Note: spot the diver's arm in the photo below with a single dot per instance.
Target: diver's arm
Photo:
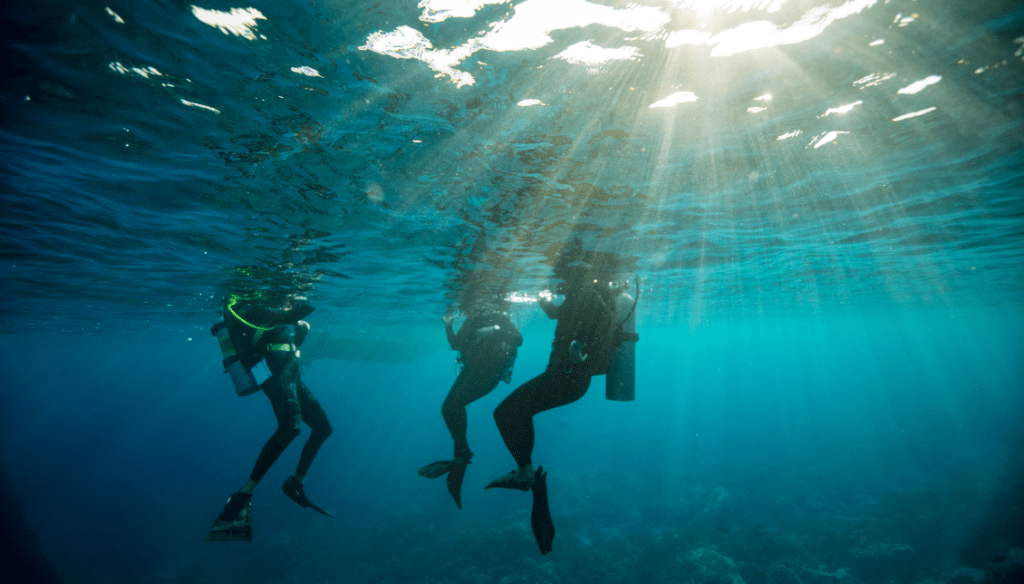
(298, 312)
(263, 316)
(449, 331)
(549, 307)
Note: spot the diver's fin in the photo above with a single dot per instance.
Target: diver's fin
(293, 488)
(435, 469)
(540, 517)
(319, 510)
(455, 476)
(508, 481)
(227, 529)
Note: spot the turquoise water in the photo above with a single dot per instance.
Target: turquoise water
(822, 202)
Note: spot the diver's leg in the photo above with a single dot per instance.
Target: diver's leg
(470, 385)
(282, 390)
(289, 419)
(313, 414)
(286, 409)
(514, 415)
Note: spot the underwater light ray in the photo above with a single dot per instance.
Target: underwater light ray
(668, 182)
(570, 144)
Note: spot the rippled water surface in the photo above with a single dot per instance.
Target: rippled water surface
(392, 159)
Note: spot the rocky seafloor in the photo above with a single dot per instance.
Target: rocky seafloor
(836, 525)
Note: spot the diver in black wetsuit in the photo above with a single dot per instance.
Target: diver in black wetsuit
(275, 334)
(487, 345)
(582, 348)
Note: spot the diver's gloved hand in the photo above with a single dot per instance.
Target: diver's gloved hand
(545, 297)
(576, 354)
(300, 331)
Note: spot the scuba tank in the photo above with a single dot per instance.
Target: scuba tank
(620, 381)
(241, 376)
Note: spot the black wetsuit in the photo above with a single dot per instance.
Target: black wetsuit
(485, 357)
(291, 400)
(293, 404)
(583, 316)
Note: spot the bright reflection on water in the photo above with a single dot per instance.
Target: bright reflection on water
(238, 21)
(528, 28)
(533, 21)
(918, 86)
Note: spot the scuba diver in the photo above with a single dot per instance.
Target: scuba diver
(593, 336)
(487, 345)
(272, 333)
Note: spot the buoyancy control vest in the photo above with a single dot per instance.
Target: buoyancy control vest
(240, 336)
(489, 341)
(588, 318)
(604, 326)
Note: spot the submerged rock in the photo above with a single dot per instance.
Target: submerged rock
(1006, 568)
(714, 567)
(883, 562)
(967, 576)
(780, 574)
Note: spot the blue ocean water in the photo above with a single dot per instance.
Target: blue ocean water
(822, 203)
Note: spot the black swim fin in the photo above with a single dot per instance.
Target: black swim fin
(540, 517)
(455, 476)
(293, 488)
(435, 469)
(232, 528)
(508, 481)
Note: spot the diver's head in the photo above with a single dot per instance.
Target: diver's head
(577, 276)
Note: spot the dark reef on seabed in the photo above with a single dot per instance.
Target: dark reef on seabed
(996, 543)
(18, 552)
(818, 526)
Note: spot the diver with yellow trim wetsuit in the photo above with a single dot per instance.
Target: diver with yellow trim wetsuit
(274, 335)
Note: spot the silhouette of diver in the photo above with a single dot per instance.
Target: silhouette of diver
(274, 334)
(585, 337)
(487, 343)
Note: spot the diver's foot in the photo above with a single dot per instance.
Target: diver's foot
(462, 458)
(293, 488)
(526, 474)
(236, 504)
(511, 481)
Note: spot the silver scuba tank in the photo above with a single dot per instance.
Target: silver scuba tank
(620, 382)
(241, 376)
